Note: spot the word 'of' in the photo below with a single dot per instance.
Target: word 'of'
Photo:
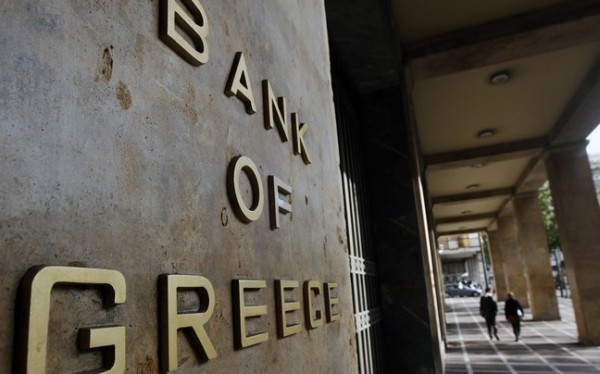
(276, 187)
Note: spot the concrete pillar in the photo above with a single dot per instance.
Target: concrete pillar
(578, 218)
(475, 269)
(497, 264)
(439, 281)
(512, 260)
(536, 257)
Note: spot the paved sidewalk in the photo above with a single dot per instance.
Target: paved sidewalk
(545, 347)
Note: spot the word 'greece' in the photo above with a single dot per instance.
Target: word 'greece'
(184, 27)
(39, 281)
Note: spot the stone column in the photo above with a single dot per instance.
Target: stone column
(439, 281)
(578, 218)
(497, 264)
(513, 262)
(536, 257)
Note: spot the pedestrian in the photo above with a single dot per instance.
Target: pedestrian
(488, 309)
(513, 312)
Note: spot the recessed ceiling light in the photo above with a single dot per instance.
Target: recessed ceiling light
(500, 77)
(472, 186)
(486, 133)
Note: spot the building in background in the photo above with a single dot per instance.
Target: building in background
(462, 259)
(595, 166)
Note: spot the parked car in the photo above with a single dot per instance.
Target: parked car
(454, 289)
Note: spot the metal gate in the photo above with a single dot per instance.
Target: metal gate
(363, 266)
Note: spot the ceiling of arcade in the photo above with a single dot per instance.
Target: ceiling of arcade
(449, 51)
(482, 141)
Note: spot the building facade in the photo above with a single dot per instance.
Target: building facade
(172, 196)
(229, 186)
(462, 259)
(171, 167)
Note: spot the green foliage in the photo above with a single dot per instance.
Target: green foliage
(485, 248)
(545, 199)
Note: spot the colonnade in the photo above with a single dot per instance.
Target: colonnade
(519, 249)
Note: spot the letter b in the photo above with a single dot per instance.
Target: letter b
(194, 24)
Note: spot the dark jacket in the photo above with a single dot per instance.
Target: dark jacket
(487, 306)
(511, 306)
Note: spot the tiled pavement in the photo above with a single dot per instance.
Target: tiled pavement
(545, 347)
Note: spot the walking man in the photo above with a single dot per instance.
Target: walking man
(514, 312)
(488, 309)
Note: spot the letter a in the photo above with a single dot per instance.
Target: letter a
(238, 84)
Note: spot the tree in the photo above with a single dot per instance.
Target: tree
(547, 208)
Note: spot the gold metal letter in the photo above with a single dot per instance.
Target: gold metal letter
(244, 213)
(106, 337)
(330, 301)
(283, 307)
(275, 111)
(276, 186)
(314, 319)
(298, 131)
(238, 84)
(193, 323)
(37, 287)
(195, 28)
(242, 311)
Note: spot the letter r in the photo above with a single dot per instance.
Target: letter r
(171, 320)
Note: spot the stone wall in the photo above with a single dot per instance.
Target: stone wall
(115, 152)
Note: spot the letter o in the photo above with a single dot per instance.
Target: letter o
(244, 213)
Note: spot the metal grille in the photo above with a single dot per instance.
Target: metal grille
(365, 287)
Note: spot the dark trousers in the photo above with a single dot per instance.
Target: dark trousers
(515, 321)
(491, 325)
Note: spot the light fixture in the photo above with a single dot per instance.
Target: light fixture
(486, 133)
(472, 186)
(500, 77)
